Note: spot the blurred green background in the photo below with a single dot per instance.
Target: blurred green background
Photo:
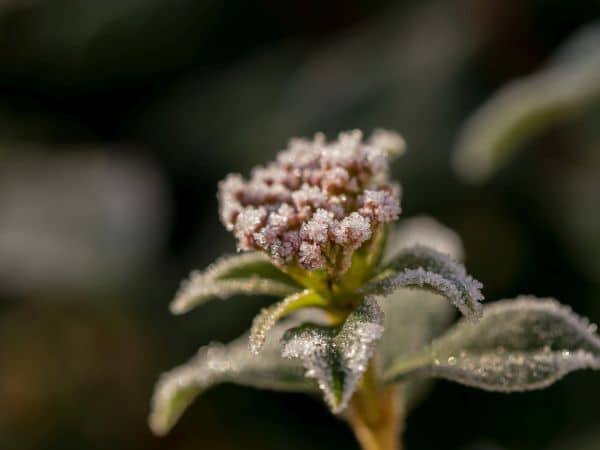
(117, 120)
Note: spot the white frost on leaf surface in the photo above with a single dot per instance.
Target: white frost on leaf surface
(425, 268)
(337, 357)
(249, 274)
(219, 363)
(519, 345)
(269, 316)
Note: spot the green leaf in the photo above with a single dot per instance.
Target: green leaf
(248, 273)
(566, 87)
(413, 318)
(244, 265)
(425, 268)
(269, 316)
(218, 363)
(337, 357)
(519, 345)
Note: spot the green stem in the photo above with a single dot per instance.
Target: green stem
(376, 414)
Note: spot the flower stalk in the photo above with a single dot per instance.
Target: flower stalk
(376, 414)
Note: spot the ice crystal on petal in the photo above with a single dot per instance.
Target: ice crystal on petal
(311, 257)
(248, 221)
(338, 180)
(309, 196)
(381, 206)
(317, 198)
(353, 230)
(318, 227)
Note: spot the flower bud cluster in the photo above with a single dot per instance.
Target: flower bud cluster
(317, 201)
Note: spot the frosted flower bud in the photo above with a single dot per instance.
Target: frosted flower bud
(381, 206)
(377, 161)
(302, 153)
(338, 180)
(309, 196)
(284, 250)
(317, 228)
(284, 218)
(353, 231)
(230, 191)
(249, 221)
(311, 256)
(318, 198)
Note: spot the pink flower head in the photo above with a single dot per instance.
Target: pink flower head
(318, 197)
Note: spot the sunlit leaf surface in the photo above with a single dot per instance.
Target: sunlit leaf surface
(248, 273)
(519, 345)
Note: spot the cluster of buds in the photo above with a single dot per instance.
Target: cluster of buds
(318, 202)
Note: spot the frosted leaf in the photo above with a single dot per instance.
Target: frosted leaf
(218, 363)
(249, 273)
(244, 265)
(519, 345)
(524, 108)
(337, 357)
(269, 316)
(197, 290)
(424, 230)
(413, 318)
(425, 268)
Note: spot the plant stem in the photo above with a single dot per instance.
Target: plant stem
(376, 414)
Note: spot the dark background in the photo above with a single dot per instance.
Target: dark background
(117, 120)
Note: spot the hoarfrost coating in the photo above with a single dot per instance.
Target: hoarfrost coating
(318, 201)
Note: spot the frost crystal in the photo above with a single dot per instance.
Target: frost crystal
(353, 230)
(423, 267)
(380, 206)
(521, 344)
(217, 363)
(316, 199)
(337, 357)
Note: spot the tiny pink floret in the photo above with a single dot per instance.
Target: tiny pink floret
(317, 198)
